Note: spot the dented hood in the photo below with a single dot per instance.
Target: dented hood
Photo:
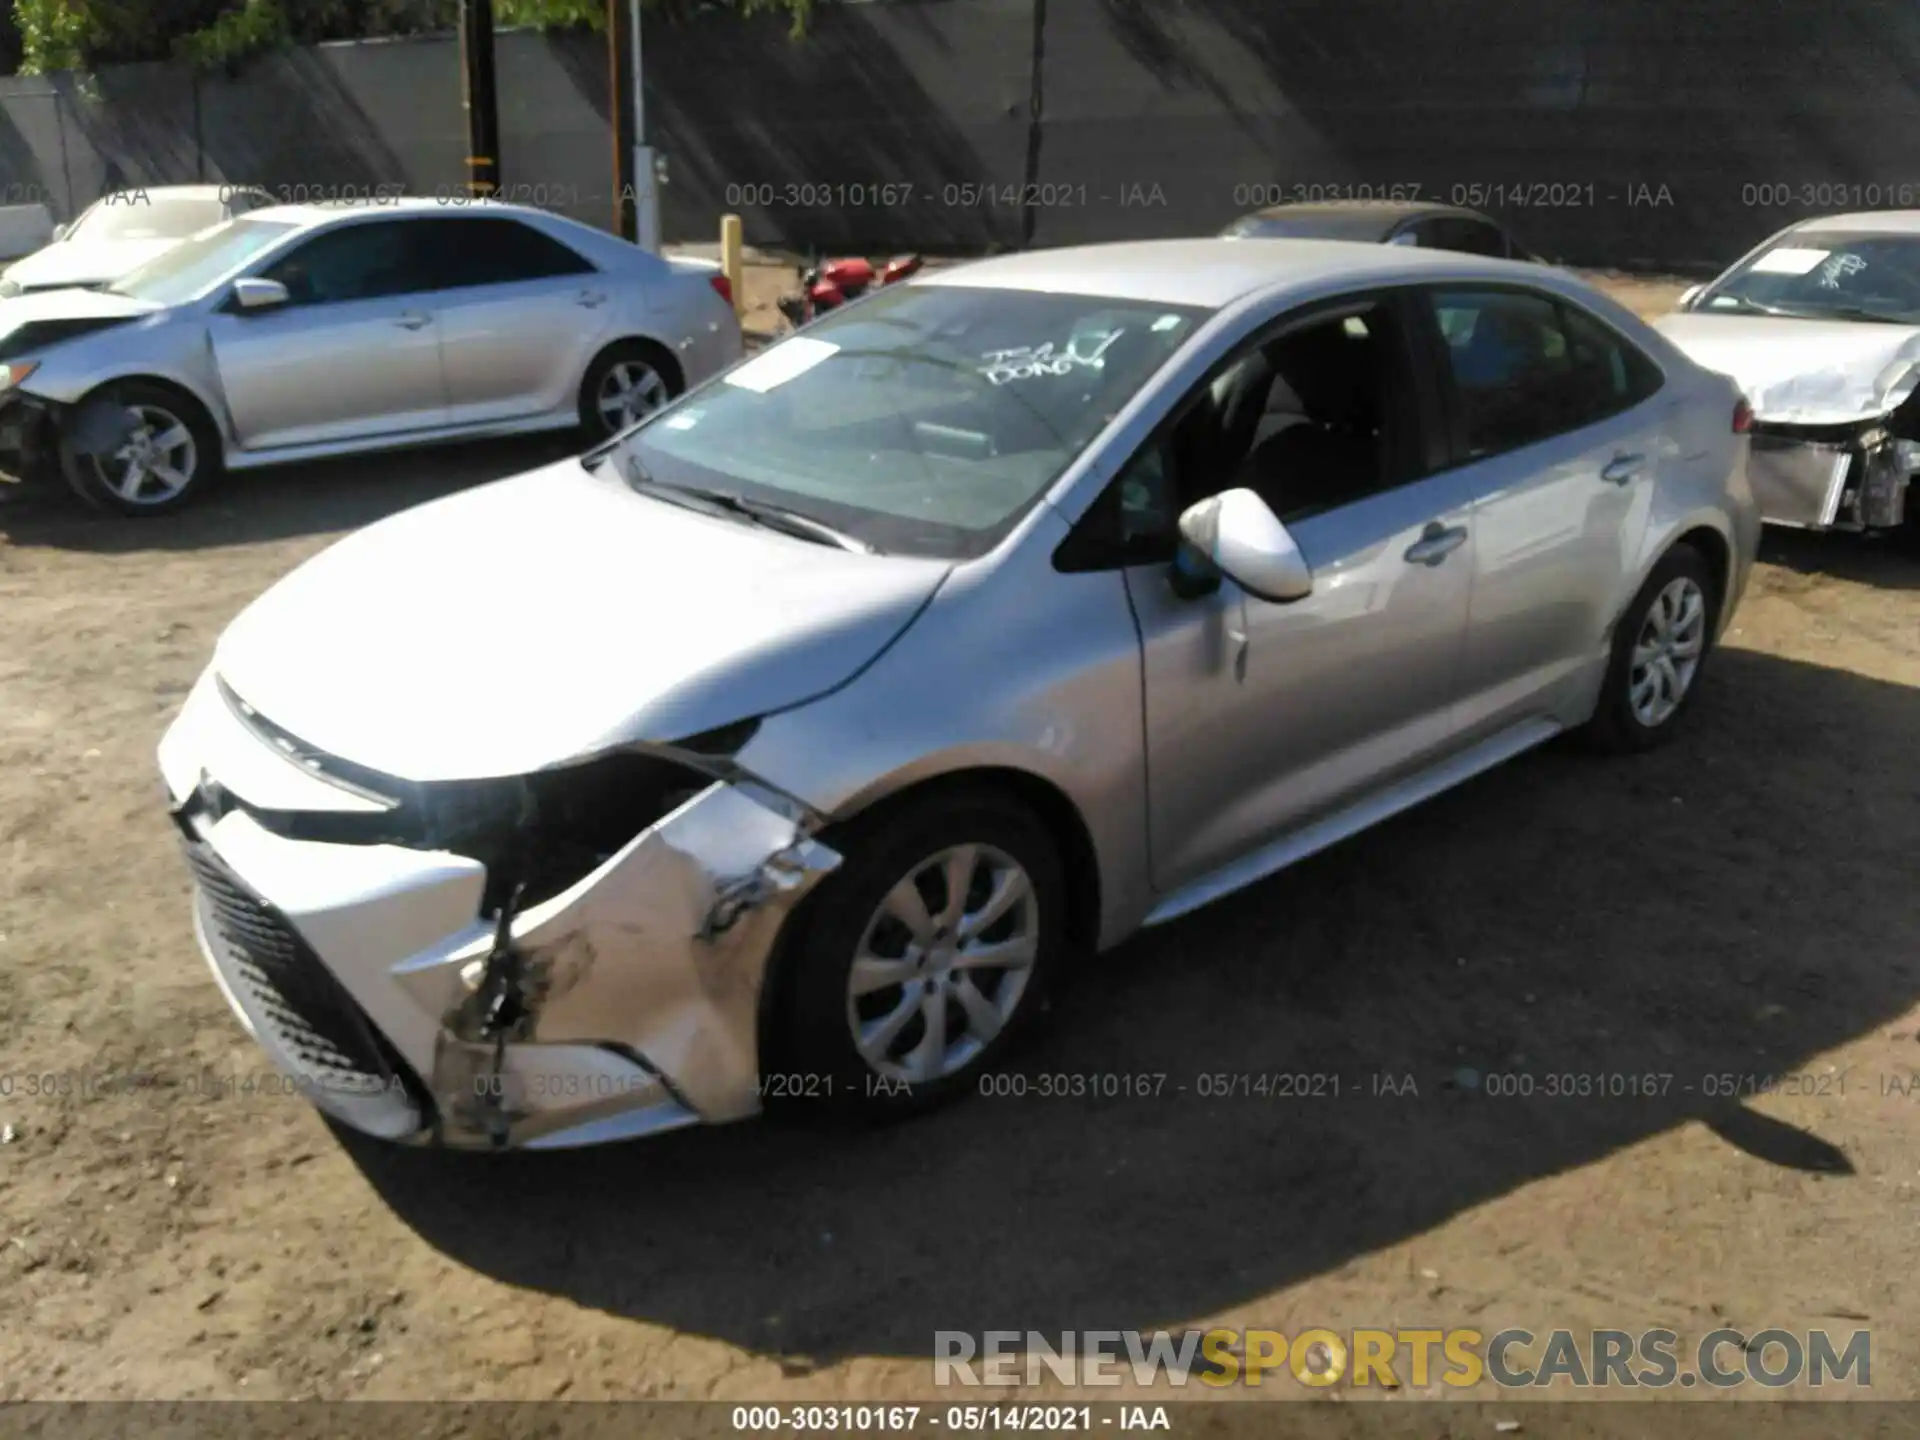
(543, 618)
(1807, 372)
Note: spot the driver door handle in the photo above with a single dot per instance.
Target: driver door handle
(1622, 468)
(591, 298)
(1436, 542)
(412, 320)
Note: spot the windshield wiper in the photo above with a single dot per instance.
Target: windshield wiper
(778, 517)
(726, 502)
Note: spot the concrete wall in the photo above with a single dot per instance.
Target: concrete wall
(1627, 132)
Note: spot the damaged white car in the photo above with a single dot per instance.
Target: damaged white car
(782, 748)
(1820, 326)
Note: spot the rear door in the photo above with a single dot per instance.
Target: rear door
(1560, 426)
(355, 353)
(521, 314)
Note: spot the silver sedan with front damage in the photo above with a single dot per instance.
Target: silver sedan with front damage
(1820, 325)
(299, 332)
(783, 749)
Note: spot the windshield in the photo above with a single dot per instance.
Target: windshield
(924, 420)
(1822, 275)
(137, 216)
(1368, 229)
(192, 266)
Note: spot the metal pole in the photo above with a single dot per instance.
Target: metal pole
(478, 98)
(621, 88)
(647, 185)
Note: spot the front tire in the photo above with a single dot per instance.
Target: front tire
(169, 459)
(1659, 654)
(917, 966)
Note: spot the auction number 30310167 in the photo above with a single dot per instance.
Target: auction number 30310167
(1045, 1419)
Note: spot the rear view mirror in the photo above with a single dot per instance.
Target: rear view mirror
(60, 233)
(1247, 543)
(256, 294)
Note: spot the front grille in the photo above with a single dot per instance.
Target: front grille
(314, 1019)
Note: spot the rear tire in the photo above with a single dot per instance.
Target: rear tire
(1660, 652)
(626, 382)
(901, 990)
(170, 459)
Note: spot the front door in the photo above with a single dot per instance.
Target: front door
(1260, 716)
(355, 353)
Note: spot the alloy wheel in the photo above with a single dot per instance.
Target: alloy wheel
(1666, 656)
(943, 964)
(156, 462)
(630, 391)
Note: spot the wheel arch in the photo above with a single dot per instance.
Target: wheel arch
(676, 373)
(1702, 534)
(1044, 798)
(210, 409)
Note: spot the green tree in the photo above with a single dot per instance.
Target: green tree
(83, 34)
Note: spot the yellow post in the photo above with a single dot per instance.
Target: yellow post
(731, 264)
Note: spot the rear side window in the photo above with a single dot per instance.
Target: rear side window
(495, 250)
(1527, 366)
(1470, 237)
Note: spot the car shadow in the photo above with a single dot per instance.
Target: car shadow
(1674, 920)
(1886, 561)
(311, 498)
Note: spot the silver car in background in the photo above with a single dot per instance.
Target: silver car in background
(1820, 325)
(125, 229)
(984, 621)
(297, 332)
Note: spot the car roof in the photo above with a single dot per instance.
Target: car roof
(1213, 273)
(321, 211)
(1885, 222)
(1382, 215)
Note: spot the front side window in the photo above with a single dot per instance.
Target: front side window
(1318, 416)
(195, 266)
(367, 261)
(1526, 367)
(924, 420)
(1823, 275)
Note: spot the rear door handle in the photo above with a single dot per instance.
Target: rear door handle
(1623, 468)
(590, 298)
(1436, 542)
(412, 320)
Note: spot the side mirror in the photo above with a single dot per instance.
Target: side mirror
(1247, 543)
(60, 233)
(1688, 296)
(1405, 237)
(257, 294)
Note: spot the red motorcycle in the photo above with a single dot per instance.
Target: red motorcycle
(832, 283)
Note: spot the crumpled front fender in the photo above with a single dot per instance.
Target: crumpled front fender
(659, 955)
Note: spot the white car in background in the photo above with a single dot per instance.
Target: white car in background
(300, 332)
(123, 230)
(1820, 327)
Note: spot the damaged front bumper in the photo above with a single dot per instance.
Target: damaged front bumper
(1827, 477)
(626, 1004)
(30, 438)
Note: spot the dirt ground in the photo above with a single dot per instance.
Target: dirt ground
(1740, 904)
